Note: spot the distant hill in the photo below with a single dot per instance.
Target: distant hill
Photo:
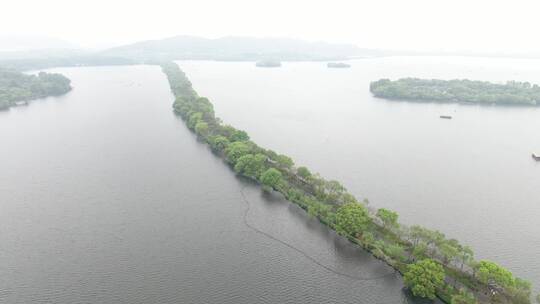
(234, 49)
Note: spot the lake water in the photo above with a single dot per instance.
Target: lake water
(106, 197)
(471, 177)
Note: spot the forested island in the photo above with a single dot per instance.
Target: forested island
(432, 265)
(16, 86)
(462, 91)
(338, 65)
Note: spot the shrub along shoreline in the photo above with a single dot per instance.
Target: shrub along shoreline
(432, 265)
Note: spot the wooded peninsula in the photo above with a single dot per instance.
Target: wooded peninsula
(432, 265)
(462, 91)
(16, 86)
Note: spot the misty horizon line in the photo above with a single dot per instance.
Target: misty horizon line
(66, 45)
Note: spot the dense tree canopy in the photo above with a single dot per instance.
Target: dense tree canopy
(236, 150)
(490, 272)
(352, 219)
(466, 91)
(219, 142)
(424, 278)
(303, 172)
(251, 165)
(271, 178)
(16, 86)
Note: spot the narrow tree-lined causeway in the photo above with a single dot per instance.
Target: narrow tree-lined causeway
(152, 192)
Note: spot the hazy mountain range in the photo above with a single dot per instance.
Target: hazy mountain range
(182, 47)
(26, 53)
(235, 48)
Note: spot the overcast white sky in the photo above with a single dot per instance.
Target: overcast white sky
(480, 25)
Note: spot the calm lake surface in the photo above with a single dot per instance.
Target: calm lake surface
(471, 177)
(106, 197)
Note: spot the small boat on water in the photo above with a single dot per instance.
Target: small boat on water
(445, 117)
(536, 156)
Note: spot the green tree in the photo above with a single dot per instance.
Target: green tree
(202, 104)
(395, 251)
(449, 252)
(538, 298)
(352, 219)
(239, 135)
(521, 292)
(389, 218)
(312, 210)
(420, 251)
(332, 192)
(424, 278)
(251, 165)
(303, 172)
(218, 142)
(284, 161)
(194, 119)
(368, 239)
(489, 272)
(236, 150)
(271, 178)
(348, 198)
(16, 86)
(201, 128)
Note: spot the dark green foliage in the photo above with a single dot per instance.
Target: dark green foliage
(194, 119)
(466, 91)
(201, 128)
(16, 86)
(271, 178)
(218, 142)
(424, 278)
(352, 219)
(303, 172)
(251, 165)
(236, 150)
(239, 135)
